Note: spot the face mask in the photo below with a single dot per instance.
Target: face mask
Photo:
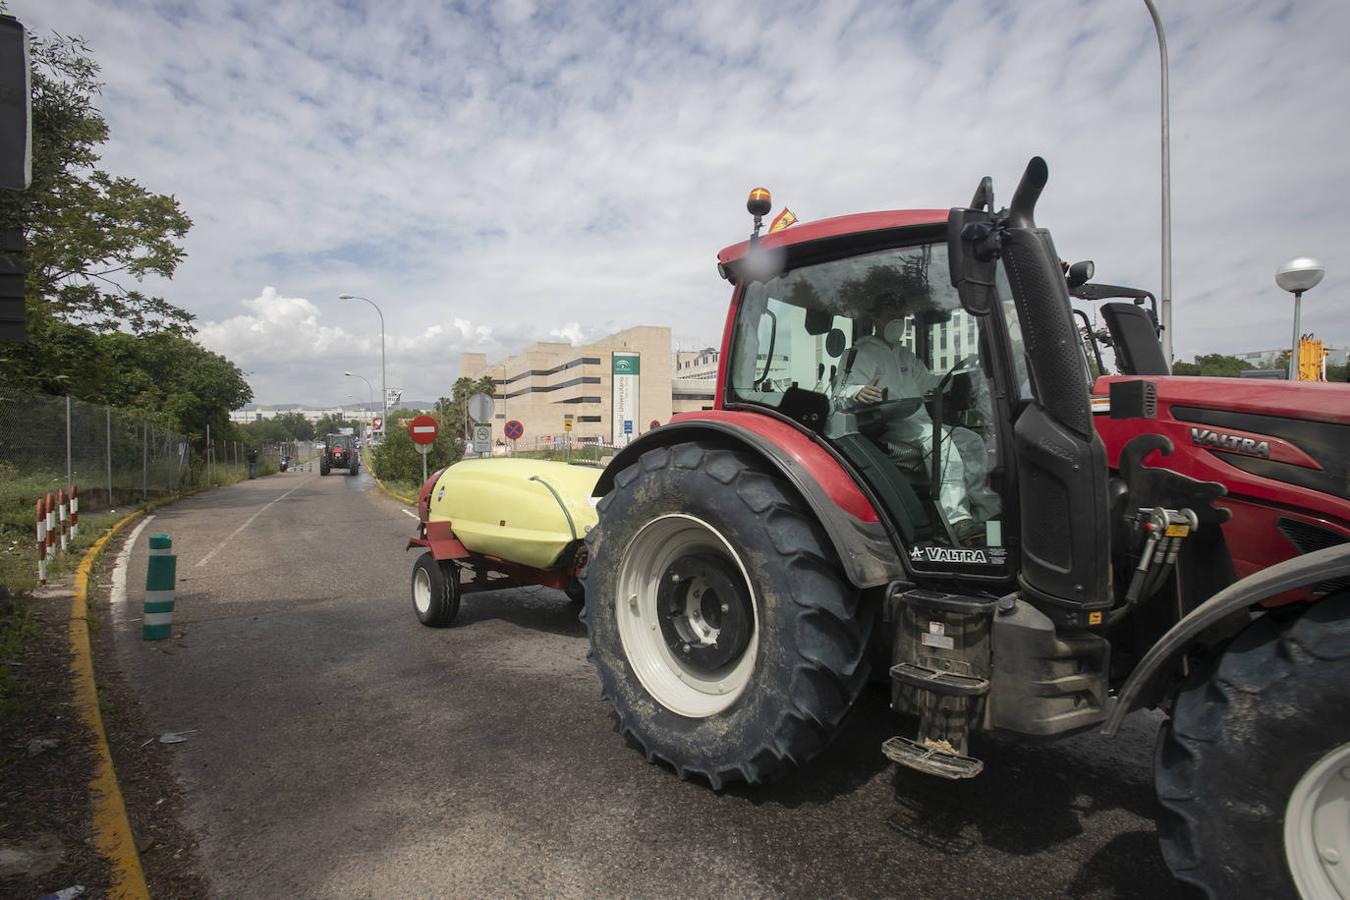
(894, 330)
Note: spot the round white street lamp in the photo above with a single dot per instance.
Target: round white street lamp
(1302, 273)
(384, 387)
(372, 398)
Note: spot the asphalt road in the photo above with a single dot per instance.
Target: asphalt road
(340, 749)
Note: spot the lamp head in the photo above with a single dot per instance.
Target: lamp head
(346, 297)
(1303, 273)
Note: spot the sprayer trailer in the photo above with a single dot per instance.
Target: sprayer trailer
(488, 524)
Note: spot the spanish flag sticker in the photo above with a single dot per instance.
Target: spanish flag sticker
(782, 220)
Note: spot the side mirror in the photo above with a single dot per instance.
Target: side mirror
(972, 257)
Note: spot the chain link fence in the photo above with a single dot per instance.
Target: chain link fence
(115, 457)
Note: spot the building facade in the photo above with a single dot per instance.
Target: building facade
(609, 391)
(694, 386)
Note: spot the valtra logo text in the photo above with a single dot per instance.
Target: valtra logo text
(1204, 437)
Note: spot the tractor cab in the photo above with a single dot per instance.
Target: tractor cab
(868, 347)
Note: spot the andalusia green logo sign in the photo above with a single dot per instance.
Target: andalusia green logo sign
(625, 365)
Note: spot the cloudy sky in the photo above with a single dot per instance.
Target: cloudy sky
(493, 173)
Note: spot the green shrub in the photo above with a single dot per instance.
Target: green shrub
(397, 460)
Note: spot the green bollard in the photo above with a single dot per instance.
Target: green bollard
(160, 569)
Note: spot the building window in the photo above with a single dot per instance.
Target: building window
(588, 418)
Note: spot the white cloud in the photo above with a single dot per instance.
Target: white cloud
(283, 340)
(503, 172)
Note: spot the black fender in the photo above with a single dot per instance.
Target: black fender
(866, 552)
(1146, 682)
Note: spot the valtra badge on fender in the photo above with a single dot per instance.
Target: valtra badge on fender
(1204, 437)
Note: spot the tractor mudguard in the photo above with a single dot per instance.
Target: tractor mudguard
(865, 549)
(1146, 682)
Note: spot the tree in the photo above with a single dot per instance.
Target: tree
(88, 232)
(1213, 364)
(331, 424)
(452, 412)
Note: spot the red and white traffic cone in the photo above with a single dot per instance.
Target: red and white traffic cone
(62, 516)
(74, 510)
(42, 543)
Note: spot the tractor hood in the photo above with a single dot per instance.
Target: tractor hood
(1307, 400)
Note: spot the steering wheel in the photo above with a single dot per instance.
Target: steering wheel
(963, 365)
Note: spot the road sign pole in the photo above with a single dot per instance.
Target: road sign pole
(424, 468)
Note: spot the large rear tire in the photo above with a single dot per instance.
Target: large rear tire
(435, 591)
(723, 631)
(1253, 768)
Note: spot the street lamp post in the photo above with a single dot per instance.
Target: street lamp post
(1303, 273)
(384, 388)
(1166, 190)
(372, 395)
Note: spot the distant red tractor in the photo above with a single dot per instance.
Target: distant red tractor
(904, 455)
(339, 452)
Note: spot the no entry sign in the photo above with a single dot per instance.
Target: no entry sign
(423, 429)
(514, 430)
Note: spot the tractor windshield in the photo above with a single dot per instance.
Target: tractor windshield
(871, 351)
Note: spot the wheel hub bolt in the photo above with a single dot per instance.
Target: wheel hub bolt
(1330, 855)
(726, 607)
(675, 578)
(687, 648)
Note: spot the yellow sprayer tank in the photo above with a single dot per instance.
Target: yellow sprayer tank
(521, 510)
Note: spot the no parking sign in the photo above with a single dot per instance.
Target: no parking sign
(514, 430)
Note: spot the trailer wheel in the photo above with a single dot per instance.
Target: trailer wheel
(1253, 768)
(435, 591)
(723, 631)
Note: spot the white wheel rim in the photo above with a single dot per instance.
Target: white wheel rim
(421, 590)
(1317, 828)
(671, 683)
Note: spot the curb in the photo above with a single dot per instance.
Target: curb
(409, 501)
(112, 828)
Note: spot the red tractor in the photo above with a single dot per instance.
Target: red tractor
(903, 472)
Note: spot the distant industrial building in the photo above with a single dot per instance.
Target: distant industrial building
(605, 392)
(353, 412)
(1273, 359)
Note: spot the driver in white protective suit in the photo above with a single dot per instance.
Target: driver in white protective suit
(885, 369)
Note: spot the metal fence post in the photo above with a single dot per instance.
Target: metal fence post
(145, 461)
(208, 454)
(70, 474)
(107, 410)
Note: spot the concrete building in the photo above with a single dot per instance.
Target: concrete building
(610, 391)
(694, 386)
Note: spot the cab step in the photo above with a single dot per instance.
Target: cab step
(949, 684)
(935, 758)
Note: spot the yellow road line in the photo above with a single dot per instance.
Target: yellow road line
(112, 829)
(411, 501)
